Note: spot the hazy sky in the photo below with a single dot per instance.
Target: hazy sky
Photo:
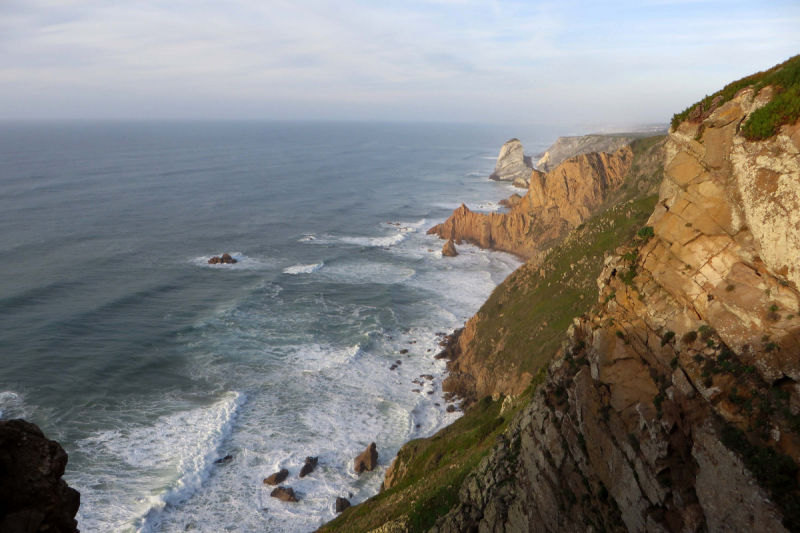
(572, 62)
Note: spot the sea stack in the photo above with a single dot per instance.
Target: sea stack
(368, 460)
(449, 249)
(512, 165)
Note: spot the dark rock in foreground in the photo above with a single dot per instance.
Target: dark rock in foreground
(311, 464)
(368, 460)
(285, 494)
(342, 504)
(277, 477)
(33, 497)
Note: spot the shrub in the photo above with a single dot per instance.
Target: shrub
(646, 232)
(764, 122)
(689, 337)
(668, 336)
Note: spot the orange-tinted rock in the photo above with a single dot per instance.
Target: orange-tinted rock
(367, 460)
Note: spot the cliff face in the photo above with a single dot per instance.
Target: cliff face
(567, 147)
(512, 165)
(673, 405)
(33, 497)
(555, 202)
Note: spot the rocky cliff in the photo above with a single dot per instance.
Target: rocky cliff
(671, 403)
(33, 497)
(567, 147)
(555, 203)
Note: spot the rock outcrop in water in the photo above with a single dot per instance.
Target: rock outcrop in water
(367, 460)
(33, 495)
(567, 147)
(277, 478)
(308, 466)
(512, 165)
(449, 249)
(555, 203)
(225, 259)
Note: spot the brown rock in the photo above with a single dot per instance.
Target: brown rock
(285, 494)
(309, 466)
(214, 260)
(277, 478)
(449, 249)
(367, 460)
(342, 504)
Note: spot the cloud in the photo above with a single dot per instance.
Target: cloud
(462, 60)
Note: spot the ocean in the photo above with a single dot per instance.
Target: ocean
(148, 364)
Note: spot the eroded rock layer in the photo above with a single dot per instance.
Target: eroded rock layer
(555, 202)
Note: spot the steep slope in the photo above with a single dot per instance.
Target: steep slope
(672, 402)
(555, 203)
(673, 406)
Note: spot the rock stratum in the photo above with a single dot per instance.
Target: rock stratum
(555, 202)
(513, 165)
(33, 497)
(641, 373)
(567, 147)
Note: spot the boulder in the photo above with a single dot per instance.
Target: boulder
(33, 495)
(311, 464)
(277, 478)
(368, 460)
(342, 504)
(403, 352)
(285, 494)
(451, 409)
(225, 259)
(449, 249)
(223, 460)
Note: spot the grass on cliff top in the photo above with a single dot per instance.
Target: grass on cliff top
(765, 122)
(528, 314)
(437, 467)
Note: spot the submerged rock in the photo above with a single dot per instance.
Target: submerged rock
(223, 460)
(33, 496)
(368, 460)
(311, 464)
(285, 494)
(277, 477)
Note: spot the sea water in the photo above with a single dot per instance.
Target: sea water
(148, 364)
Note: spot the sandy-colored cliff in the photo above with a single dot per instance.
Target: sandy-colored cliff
(555, 203)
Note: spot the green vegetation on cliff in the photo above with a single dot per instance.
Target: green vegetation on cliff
(765, 122)
(435, 468)
(549, 294)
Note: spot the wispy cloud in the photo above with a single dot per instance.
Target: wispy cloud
(466, 60)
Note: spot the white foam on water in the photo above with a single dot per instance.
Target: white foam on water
(303, 269)
(147, 468)
(307, 238)
(367, 272)
(12, 406)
